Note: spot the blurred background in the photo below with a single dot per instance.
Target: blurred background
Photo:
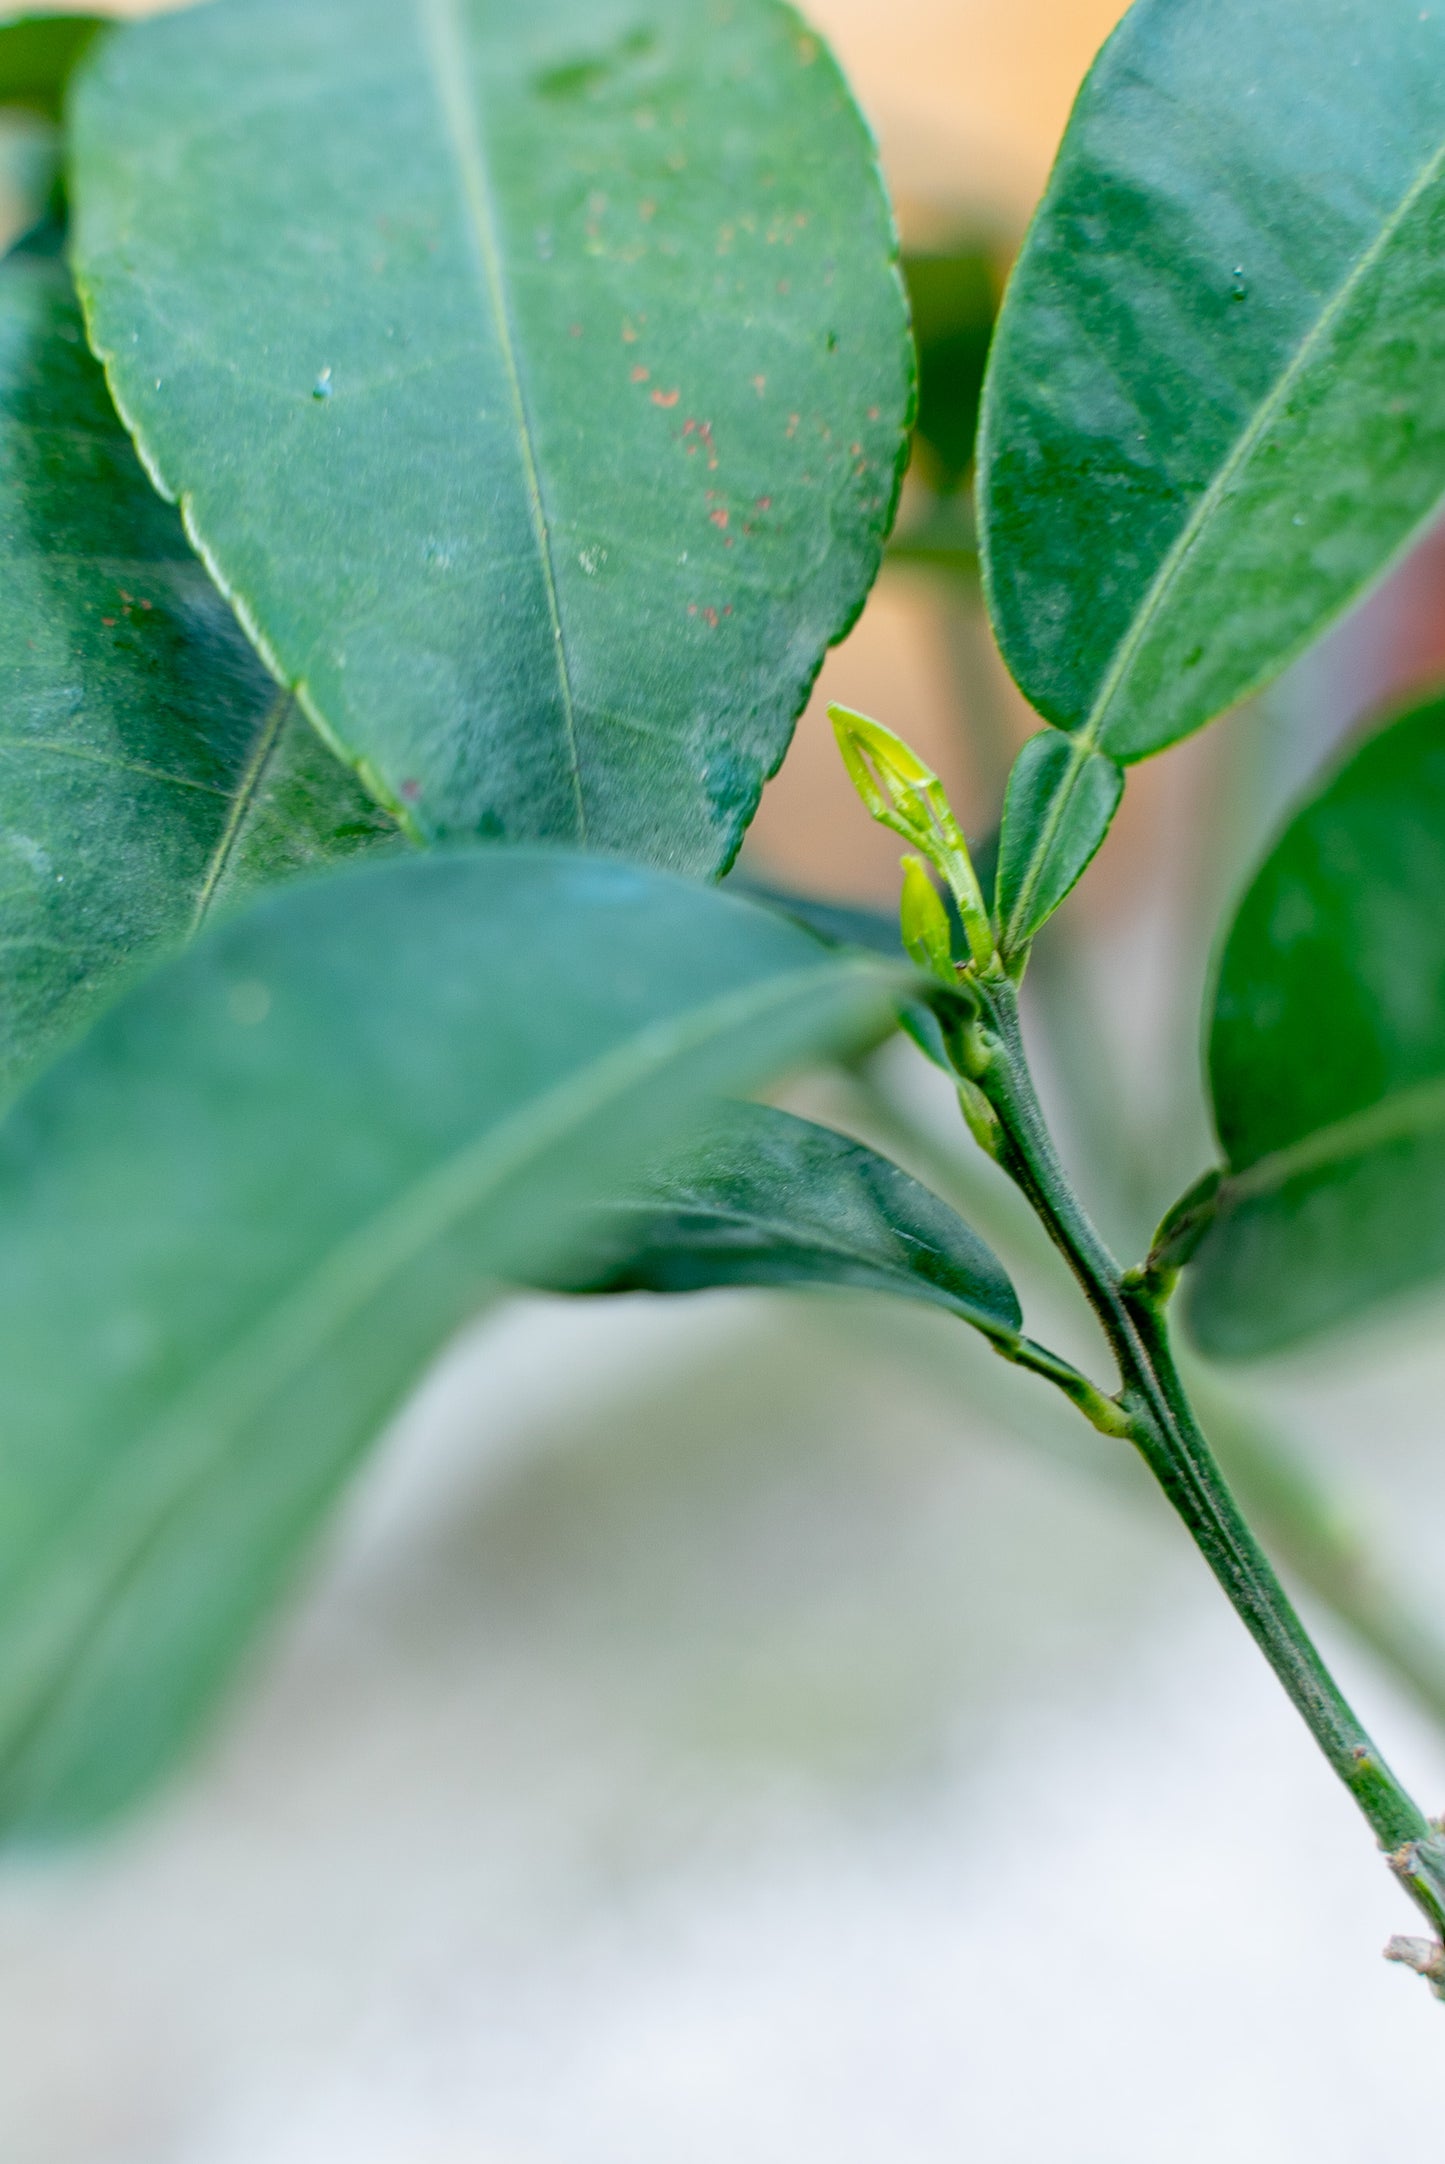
(763, 1728)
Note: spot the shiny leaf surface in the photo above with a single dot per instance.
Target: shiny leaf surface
(1216, 406)
(149, 768)
(534, 380)
(764, 1199)
(1058, 809)
(1327, 1059)
(239, 1217)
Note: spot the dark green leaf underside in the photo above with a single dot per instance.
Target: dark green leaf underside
(764, 1199)
(238, 1218)
(149, 768)
(1327, 1058)
(563, 352)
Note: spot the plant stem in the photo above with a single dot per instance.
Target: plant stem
(1164, 1430)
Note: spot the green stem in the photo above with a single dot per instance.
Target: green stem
(1167, 1435)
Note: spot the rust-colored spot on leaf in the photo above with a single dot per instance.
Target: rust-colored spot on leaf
(760, 384)
(666, 398)
(641, 375)
(711, 618)
(719, 518)
(764, 503)
(411, 790)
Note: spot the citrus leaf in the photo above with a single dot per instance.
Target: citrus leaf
(149, 768)
(761, 1198)
(535, 381)
(1058, 809)
(1327, 1059)
(39, 52)
(1216, 406)
(238, 1218)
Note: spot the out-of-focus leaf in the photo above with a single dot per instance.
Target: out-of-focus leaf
(238, 1218)
(761, 1198)
(39, 52)
(29, 174)
(1327, 1059)
(1058, 809)
(536, 381)
(1216, 404)
(954, 298)
(149, 768)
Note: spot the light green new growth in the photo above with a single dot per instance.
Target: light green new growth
(1151, 1407)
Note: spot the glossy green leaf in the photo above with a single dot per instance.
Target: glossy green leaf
(761, 1198)
(149, 768)
(1058, 809)
(39, 52)
(239, 1217)
(1216, 406)
(534, 379)
(1327, 1058)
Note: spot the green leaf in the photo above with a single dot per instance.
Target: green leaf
(1216, 406)
(1327, 1058)
(149, 768)
(763, 1199)
(535, 380)
(39, 52)
(241, 1215)
(1058, 809)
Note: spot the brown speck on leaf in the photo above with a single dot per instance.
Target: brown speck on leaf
(666, 398)
(411, 790)
(109, 622)
(760, 384)
(764, 503)
(795, 422)
(855, 450)
(719, 518)
(711, 619)
(147, 604)
(629, 335)
(641, 375)
(728, 610)
(875, 413)
(688, 427)
(692, 609)
(576, 330)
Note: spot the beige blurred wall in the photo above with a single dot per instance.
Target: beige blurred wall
(969, 97)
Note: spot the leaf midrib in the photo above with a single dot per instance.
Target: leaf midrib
(238, 1383)
(782, 1234)
(446, 57)
(1399, 1117)
(1086, 739)
(247, 791)
(1244, 446)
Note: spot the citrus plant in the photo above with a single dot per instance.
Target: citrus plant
(437, 446)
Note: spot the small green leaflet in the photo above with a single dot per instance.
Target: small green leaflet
(149, 768)
(1216, 403)
(1058, 809)
(1327, 1059)
(240, 1216)
(761, 1198)
(535, 379)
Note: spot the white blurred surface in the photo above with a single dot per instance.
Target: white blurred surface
(709, 1743)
